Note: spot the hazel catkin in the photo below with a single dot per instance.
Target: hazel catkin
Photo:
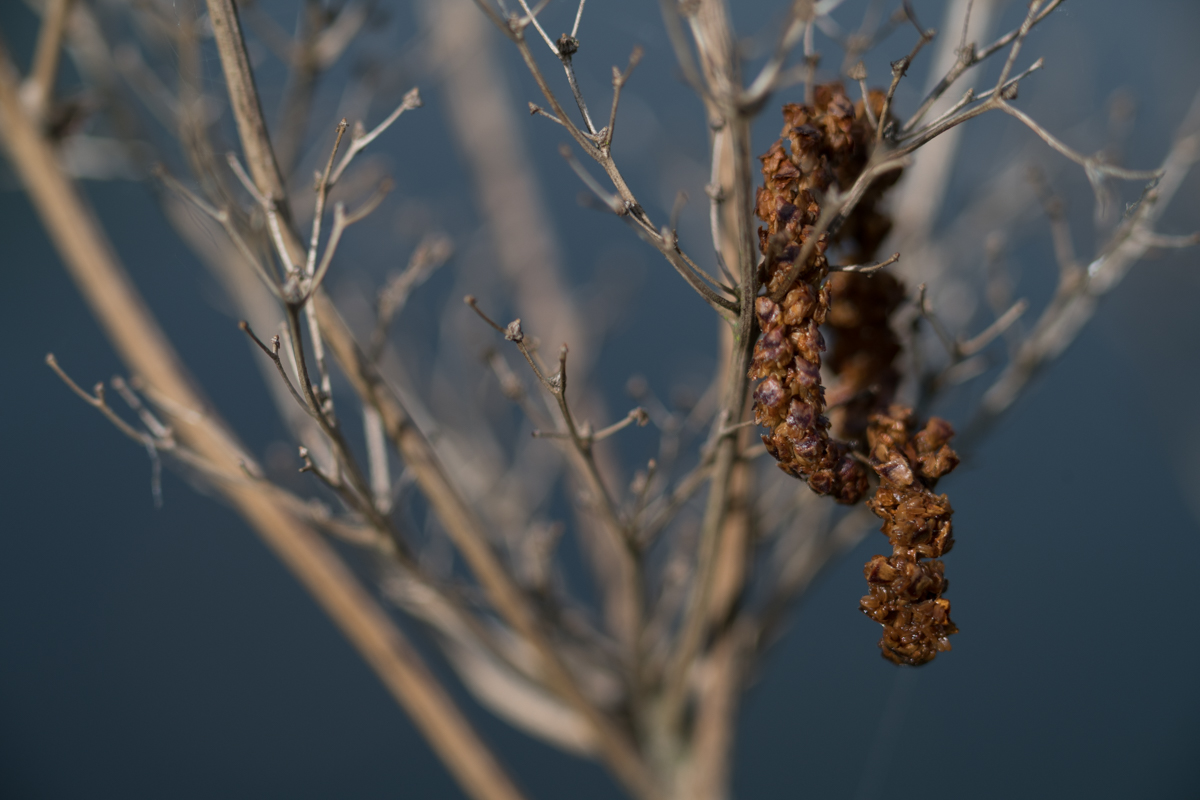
(823, 144)
(905, 590)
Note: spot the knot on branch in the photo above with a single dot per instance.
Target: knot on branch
(513, 332)
(567, 45)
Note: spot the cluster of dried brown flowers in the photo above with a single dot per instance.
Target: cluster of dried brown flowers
(648, 680)
(828, 144)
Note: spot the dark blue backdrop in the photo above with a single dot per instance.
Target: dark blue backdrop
(165, 653)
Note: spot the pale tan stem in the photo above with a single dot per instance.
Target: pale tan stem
(247, 110)
(92, 263)
(38, 91)
(711, 28)
(706, 772)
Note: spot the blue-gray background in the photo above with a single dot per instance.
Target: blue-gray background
(165, 653)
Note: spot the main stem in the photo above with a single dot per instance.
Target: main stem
(732, 131)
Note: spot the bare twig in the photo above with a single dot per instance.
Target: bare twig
(96, 400)
(580, 437)
(985, 337)
(1096, 169)
(798, 24)
(361, 138)
(432, 252)
(866, 269)
(969, 57)
(223, 217)
(618, 81)
(1076, 298)
(899, 70)
(273, 354)
(38, 90)
(666, 242)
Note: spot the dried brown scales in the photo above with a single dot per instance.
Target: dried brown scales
(825, 144)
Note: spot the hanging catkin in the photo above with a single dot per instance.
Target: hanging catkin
(822, 145)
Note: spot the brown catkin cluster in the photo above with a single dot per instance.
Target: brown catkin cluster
(865, 348)
(826, 143)
(906, 590)
(823, 144)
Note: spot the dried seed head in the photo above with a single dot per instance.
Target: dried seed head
(821, 146)
(905, 591)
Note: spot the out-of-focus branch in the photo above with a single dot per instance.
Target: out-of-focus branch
(459, 521)
(528, 255)
(38, 90)
(90, 259)
(1079, 291)
(596, 145)
(247, 110)
(719, 64)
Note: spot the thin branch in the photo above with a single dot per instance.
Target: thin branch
(578, 16)
(664, 240)
(153, 424)
(1164, 240)
(377, 459)
(618, 82)
(245, 180)
(360, 140)
(1022, 32)
(969, 57)
(1092, 164)
(273, 354)
(866, 269)
(925, 308)
(341, 221)
(1006, 89)
(223, 217)
(531, 17)
(666, 509)
(637, 415)
(243, 97)
(798, 24)
(38, 90)
(567, 47)
(1075, 301)
(333, 483)
(433, 251)
(899, 70)
(683, 53)
(614, 203)
(96, 400)
(556, 385)
(985, 337)
(322, 189)
(1064, 249)
(536, 110)
(859, 73)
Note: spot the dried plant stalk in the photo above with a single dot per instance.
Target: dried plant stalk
(696, 563)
